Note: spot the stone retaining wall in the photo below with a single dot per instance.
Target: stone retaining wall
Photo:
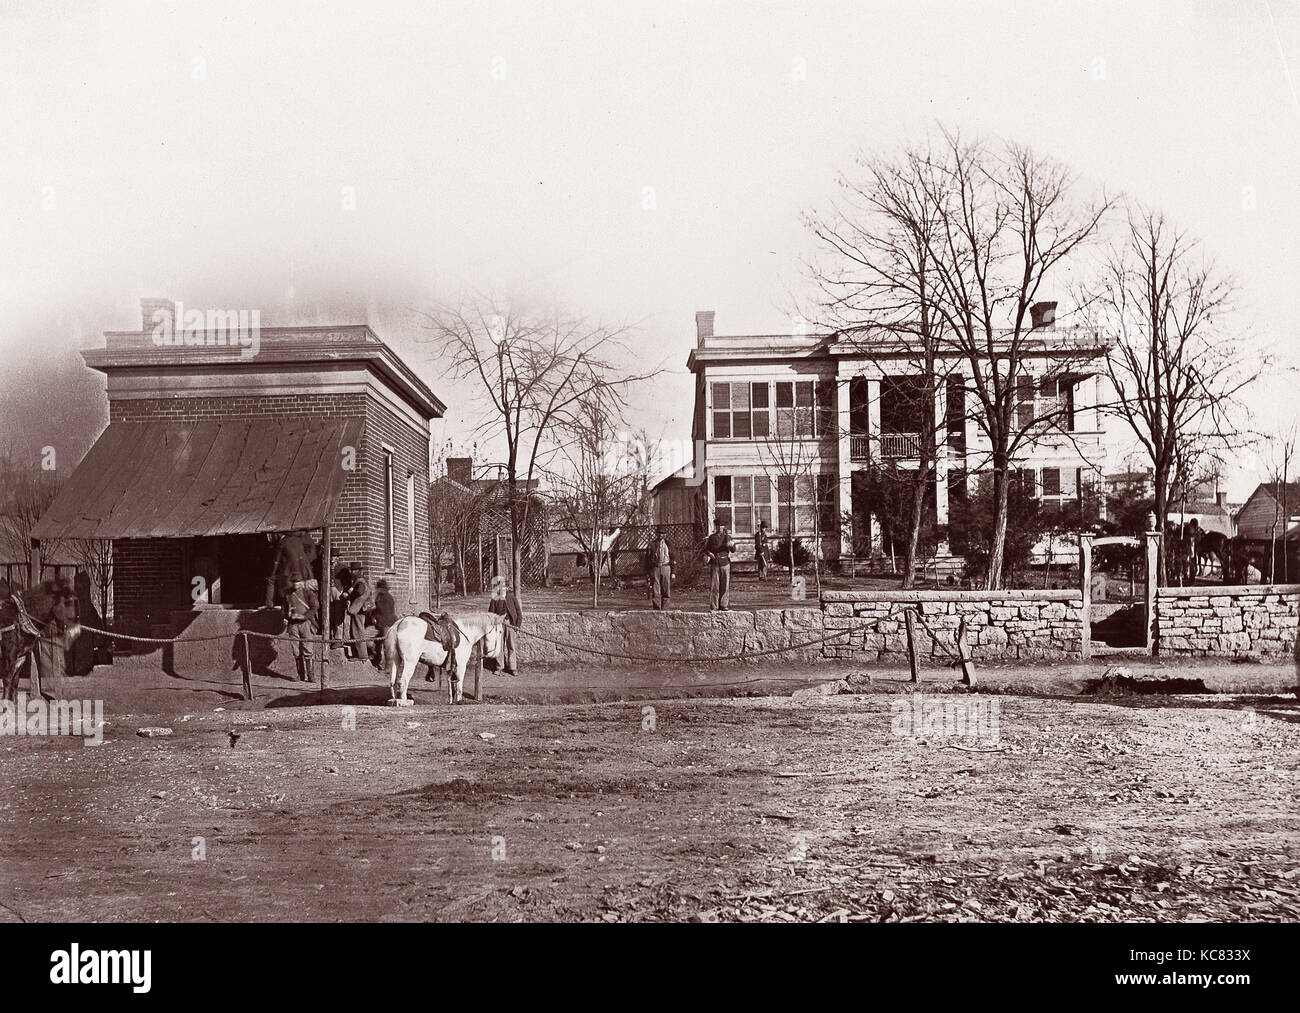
(1000, 625)
(670, 635)
(1227, 621)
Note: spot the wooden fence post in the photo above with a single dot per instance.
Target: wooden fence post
(1085, 580)
(1152, 591)
(248, 667)
(909, 617)
(323, 592)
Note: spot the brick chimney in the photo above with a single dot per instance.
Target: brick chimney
(1221, 499)
(148, 307)
(1043, 314)
(703, 327)
(461, 469)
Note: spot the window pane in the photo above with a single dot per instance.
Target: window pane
(721, 395)
(744, 517)
(803, 421)
(783, 517)
(784, 487)
(723, 516)
(803, 394)
(722, 425)
(785, 395)
(762, 489)
(762, 424)
(740, 397)
(784, 423)
(740, 425)
(743, 489)
(722, 488)
(1051, 481)
(760, 393)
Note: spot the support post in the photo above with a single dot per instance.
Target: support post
(248, 667)
(1152, 591)
(1085, 579)
(323, 593)
(967, 666)
(34, 578)
(909, 617)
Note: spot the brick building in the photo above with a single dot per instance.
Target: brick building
(216, 446)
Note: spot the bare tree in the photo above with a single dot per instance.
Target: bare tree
(601, 487)
(26, 492)
(1177, 370)
(978, 231)
(793, 461)
(95, 557)
(1281, 457)
(876, 279)
(533, 369)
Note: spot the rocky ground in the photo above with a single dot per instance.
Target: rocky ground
(843, 802)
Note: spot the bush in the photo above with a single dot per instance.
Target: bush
(783, 552)
(1026, 525)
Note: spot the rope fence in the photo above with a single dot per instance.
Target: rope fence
(956, 656)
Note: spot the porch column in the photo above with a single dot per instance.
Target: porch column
(844, 462)
(873, 446)
(941, 461)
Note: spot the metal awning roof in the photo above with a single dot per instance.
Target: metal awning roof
(179, 480)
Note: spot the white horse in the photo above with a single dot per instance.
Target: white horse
(405, 647)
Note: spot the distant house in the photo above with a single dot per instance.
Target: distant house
(1271, 511)
(491, 554)
(1210, 514)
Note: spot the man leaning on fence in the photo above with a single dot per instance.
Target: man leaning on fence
(718, 548)
(659, 569)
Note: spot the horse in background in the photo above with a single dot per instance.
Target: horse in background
(46, 611)
(406, 645)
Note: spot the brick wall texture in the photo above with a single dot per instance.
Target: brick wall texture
(149, 577)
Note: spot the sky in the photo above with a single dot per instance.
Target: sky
(634, 162)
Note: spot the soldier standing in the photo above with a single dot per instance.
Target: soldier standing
(304, 627)
(760, 549)
(718, 548)
(659, 569)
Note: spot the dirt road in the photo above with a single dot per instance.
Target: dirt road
(1160, 808)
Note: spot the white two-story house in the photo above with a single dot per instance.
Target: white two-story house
(790, 426)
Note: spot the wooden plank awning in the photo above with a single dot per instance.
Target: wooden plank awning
(181, 480)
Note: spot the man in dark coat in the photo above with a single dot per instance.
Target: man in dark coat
(359, 600)
(385, 615)
(505, 603)
(659, 569)
(718, 548)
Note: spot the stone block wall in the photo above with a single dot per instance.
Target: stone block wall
(1227, 621)
(670, 635)
(1000, 625)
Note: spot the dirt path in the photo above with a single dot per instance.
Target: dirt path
(1164, 808)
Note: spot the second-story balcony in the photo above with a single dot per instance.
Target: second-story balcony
(893, 446)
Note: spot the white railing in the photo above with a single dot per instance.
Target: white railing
(900, 445)
(859, 447)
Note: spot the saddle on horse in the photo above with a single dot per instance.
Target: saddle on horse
(443, 631)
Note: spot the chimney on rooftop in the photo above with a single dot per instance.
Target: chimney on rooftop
(1221, 498)
(163, 308)
(1043, 314)
(461, 469)
(703, 326)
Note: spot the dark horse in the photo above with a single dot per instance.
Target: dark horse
(47, 610)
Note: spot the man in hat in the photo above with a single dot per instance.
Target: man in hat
(504, 602)
(718, 548)
(359, 601)
(760, 549)
(304, 627)
(384, 615)
(659, 569)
